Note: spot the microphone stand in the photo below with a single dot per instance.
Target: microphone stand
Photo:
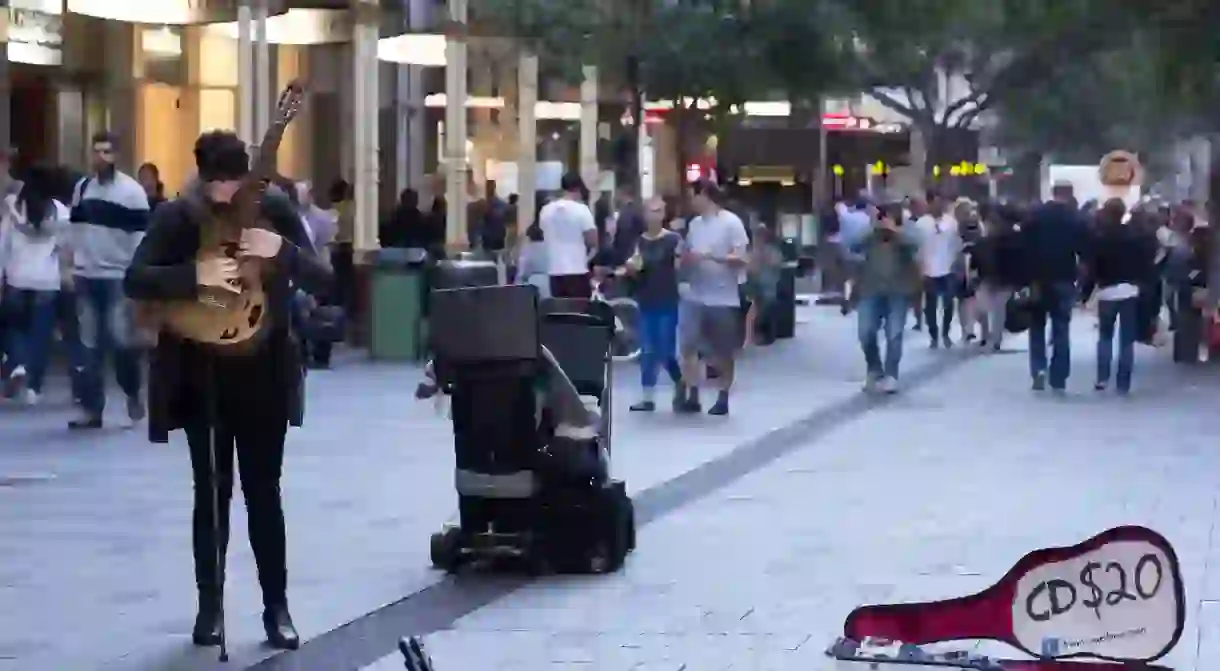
(213, 418)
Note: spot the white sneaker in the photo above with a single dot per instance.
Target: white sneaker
(888, 385)
(871, 384)
(31, 397)
(15, 385)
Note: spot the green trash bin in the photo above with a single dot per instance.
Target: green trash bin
(400, 281)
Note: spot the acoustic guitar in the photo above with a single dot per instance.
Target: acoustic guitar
(230, 319)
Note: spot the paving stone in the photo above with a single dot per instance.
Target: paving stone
(934, 495)
(101, 547)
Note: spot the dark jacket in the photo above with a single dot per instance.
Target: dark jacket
(1122, 255)
(163, 269)
(408, 227)
(1054, 240)
(997, 259)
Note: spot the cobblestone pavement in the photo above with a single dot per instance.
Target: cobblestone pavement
(933, 494)
(94, 530)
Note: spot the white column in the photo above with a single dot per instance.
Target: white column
(589, 169)
(365, 111)
(456, 169)
(245, 75)
(419, 14)
(402, 129)
(527, 139)
(409, 113)
(369, 33)
(262, 72)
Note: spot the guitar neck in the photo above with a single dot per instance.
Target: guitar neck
(981, 616)
(264, 161)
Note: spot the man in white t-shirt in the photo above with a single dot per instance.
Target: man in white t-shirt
(940, 246)
(570, 238)
(714, 258)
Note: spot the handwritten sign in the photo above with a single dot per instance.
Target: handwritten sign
(1118, 601)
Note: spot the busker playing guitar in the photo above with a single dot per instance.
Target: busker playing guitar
(253, 395)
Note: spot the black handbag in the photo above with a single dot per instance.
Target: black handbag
(1018, 312)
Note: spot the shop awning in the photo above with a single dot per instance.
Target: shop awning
(165, 12)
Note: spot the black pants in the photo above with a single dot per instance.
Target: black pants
(259, 445)
(939, 292)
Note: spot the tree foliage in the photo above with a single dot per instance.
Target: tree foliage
(1081, 110)
(998, 48)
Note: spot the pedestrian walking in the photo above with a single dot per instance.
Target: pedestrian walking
(1053, 242)
(997, 264)
(940, 246)
(1121, 260)
(889, 271)
(34, 228)
(571, 238)
(653, 267)
(109, 217)
(713, 258)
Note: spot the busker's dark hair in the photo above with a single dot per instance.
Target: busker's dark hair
(220, 156)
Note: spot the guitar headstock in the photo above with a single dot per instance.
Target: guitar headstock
(292, 99)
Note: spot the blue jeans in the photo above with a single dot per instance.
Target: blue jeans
(31, 320)
(658, 344)
(1124, 312)
(105, 329)
(873, 313)
(1055, 306)
(69, 333)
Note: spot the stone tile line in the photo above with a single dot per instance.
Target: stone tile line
(366, 640)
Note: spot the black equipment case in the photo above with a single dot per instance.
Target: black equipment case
(529, 486)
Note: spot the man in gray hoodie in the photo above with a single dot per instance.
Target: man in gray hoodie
(109, 218)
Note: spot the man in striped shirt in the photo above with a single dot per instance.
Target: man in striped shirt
(109, 218)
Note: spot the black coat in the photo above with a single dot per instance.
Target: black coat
(998, 259)
(163, 269)
(1122, 255)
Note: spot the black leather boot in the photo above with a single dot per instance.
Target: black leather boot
(207, 622)
(281, 633)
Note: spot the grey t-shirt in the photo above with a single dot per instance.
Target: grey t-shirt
(657, 286)
(711, 281)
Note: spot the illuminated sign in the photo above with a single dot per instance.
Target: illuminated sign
(962, 169)
(850, 122)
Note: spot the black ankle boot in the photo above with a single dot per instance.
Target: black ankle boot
(207, 623)
(281, 633)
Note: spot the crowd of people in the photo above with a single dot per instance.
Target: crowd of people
(1003, 267)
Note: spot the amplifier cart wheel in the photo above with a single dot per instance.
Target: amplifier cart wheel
(445, 549)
